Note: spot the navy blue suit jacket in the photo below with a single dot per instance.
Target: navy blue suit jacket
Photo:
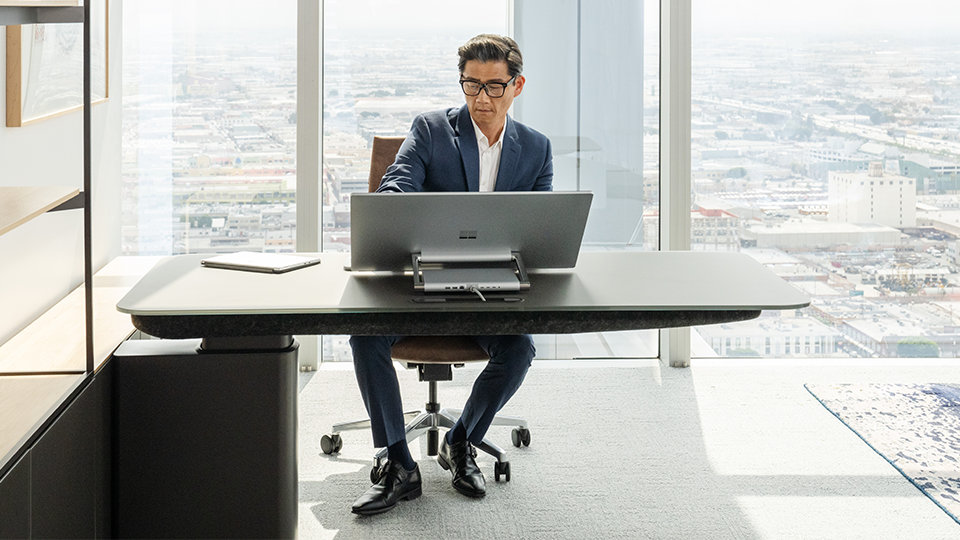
(440, 154)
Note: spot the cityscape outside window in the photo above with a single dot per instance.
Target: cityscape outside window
(826, 145)
(209, 126)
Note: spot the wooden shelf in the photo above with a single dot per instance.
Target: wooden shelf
(14, 12)
(55, 343)
(27, 401)
(19, 205)
(39, 3)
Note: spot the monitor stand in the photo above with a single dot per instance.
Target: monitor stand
(463, 274)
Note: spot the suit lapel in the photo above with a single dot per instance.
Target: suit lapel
(466, 141)
(509, 155)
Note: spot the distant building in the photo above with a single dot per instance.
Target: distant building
(713, 230)
(891, 329)
(932, 175)
(822, 160)
(814, 233)
(710, 229)
(945, 221)
(872, 197)
(773, 336)
(891, 337)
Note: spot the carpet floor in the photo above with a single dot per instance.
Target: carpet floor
(631, 450)
(589, 472)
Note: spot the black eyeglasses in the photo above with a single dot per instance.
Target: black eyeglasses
(493, 89)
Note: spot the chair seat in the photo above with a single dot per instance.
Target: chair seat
(438, 350)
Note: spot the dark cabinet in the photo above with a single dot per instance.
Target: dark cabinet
(63, 472)
(15, 501)
(61, 487)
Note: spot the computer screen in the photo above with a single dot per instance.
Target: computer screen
(545, 227)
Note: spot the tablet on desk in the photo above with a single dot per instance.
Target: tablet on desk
(271, 263)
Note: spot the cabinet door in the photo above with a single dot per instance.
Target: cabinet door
(102, 390)
(63, 471)
(15, 501)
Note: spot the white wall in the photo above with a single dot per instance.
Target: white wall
(43, 260)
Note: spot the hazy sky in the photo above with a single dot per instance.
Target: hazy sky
(828, 15)
(831, 16)
(416, 15)
(382, 16)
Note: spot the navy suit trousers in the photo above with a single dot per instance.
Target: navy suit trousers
(510, 358)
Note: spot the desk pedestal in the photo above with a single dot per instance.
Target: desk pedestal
(205, 438)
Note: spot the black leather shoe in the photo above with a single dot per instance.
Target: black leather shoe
(397, 484)
(458, 458)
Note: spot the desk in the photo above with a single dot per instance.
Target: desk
(606, 291)
(205, 441)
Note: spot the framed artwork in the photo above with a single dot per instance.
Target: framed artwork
(45, 67)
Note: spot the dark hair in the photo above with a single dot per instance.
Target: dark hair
(492, 48)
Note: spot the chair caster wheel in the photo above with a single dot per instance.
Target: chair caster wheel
(501, 468)
(520, 436)
(331, 444)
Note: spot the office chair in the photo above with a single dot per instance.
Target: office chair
(434, 357)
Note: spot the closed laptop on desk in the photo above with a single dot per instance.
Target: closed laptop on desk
(545, 227)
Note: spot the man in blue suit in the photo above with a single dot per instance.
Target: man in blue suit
(476, 147)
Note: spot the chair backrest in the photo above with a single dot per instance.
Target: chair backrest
(384, 152)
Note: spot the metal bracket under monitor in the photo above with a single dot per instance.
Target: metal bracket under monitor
(515, 263)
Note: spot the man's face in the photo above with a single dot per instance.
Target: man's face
(486, 111)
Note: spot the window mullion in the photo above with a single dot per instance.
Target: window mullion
(309, 147)
(309, 128)
(675, 47)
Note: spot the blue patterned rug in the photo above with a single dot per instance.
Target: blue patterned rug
(916, 427)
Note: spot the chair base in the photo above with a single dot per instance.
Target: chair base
(428, 423)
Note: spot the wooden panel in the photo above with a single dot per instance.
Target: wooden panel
(15, 501)
(14, 91)
(40, 12)
(39, 3)
(20, 204)
(55, 342)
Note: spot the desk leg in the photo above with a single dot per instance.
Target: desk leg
(205, 438)
(675, 346)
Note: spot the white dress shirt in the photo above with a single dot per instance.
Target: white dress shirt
(489, 157)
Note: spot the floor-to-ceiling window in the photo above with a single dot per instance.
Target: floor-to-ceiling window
(209, 126)
(826, 144)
